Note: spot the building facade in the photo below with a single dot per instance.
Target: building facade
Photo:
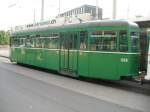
(85, 9)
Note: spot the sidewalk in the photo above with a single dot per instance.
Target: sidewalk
(4, 52)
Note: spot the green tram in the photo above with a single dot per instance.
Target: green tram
(107, 49)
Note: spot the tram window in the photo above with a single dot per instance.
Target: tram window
(16, 41)
(34, 42)
(134, 41)
(52, 41)
(29, 42)
(47, 42)
(41, 42)
(103, 41)
(83, 40)
(123, 41)
(11, 41)
(22, 42)
(38, 41)
(38, 44)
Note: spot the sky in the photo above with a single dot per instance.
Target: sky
(19, 12)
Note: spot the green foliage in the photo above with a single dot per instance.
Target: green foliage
(4, 38)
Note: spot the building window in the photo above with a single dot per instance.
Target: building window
(81, 10)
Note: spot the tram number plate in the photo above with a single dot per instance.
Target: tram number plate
(124, 60)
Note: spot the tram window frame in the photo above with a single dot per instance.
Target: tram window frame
(103, 40)
(83, 40)
(124, 37)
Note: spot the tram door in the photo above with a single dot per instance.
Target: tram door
(68, 52)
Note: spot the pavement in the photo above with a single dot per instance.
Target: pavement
(28, 90)
(4, 52)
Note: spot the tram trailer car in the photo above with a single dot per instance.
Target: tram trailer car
(144, 46)
(99, 49)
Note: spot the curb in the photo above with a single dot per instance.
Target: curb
(4, 56)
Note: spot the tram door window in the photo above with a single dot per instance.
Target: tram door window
(83, 40)
(72, 41)
(103, 41)
(123, 41)
(69, 43)
(63, 41)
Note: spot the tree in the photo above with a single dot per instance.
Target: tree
(4, 38)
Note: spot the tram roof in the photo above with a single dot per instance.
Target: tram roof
(88, 24)
(100, 23)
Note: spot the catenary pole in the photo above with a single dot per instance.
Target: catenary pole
(42, 10)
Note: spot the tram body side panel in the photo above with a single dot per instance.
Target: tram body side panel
(52, 59)
(13, 54)
(109, 66)
(83, 64)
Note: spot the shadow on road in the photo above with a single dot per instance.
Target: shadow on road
(122, 84)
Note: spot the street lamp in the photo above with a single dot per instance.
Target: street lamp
(42, 11)
(34, 16)
(59, 8)
(114, 9)
(97, 9)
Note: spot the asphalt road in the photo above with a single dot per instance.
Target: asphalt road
(20, 93)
